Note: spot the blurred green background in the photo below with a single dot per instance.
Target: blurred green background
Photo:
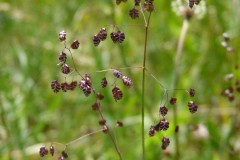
(31, 115)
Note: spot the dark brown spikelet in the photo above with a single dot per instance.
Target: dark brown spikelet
(56, 86)
(126, 81)
(192, 92)
(62, 57)
(102, 122)
(65, 68)
(64, 86)
(73, 84)
(102, 34)
(117, 36)
(62, 36)
(114, 37)
(117, 93)
(151, 131)
(64, 154)
(96, 106)
(163, 124)
(157, 127)
(43, 151)
(192, 107)
(104, 82)
(117, 73)
(176, 129)
(163, 110)
(121, 36)
(75, 44)
(134, 13)
(96, 40)
(165, 143)
(173, 100)
(86, 85)
(119, 123)
(52, 150)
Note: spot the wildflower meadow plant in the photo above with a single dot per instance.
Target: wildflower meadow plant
(72, 78)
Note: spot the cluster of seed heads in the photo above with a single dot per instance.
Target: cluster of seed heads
(64, 86)
(63, 56)
(134, 12)
(85, 83)
(226, 43)
(232, 80)
(117, 37)
(163, 123)
(44, 152)
(165, 143)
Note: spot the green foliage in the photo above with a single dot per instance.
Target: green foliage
(31, 115)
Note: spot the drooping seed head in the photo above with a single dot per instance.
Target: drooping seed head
(102, 34)
(62, 36)
(165, 143)
(102, 122)
(163, 124)
(56, 86)
(151, 131)
(65, 68)
(43, 151)
(62, 57)
(134, 13)
(86, 85)
(52, 150)
(75, 44)
(96, 40)
(64, 86)
(119, 123)
(104, 82)
(163, 110)
(192, 107)
(192, 92)
(117, 93)
(126, 81)
(64, 154)
(117, 73)
(96, 106)
(173, 100)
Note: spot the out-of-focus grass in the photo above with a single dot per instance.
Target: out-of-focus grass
(32, 115)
